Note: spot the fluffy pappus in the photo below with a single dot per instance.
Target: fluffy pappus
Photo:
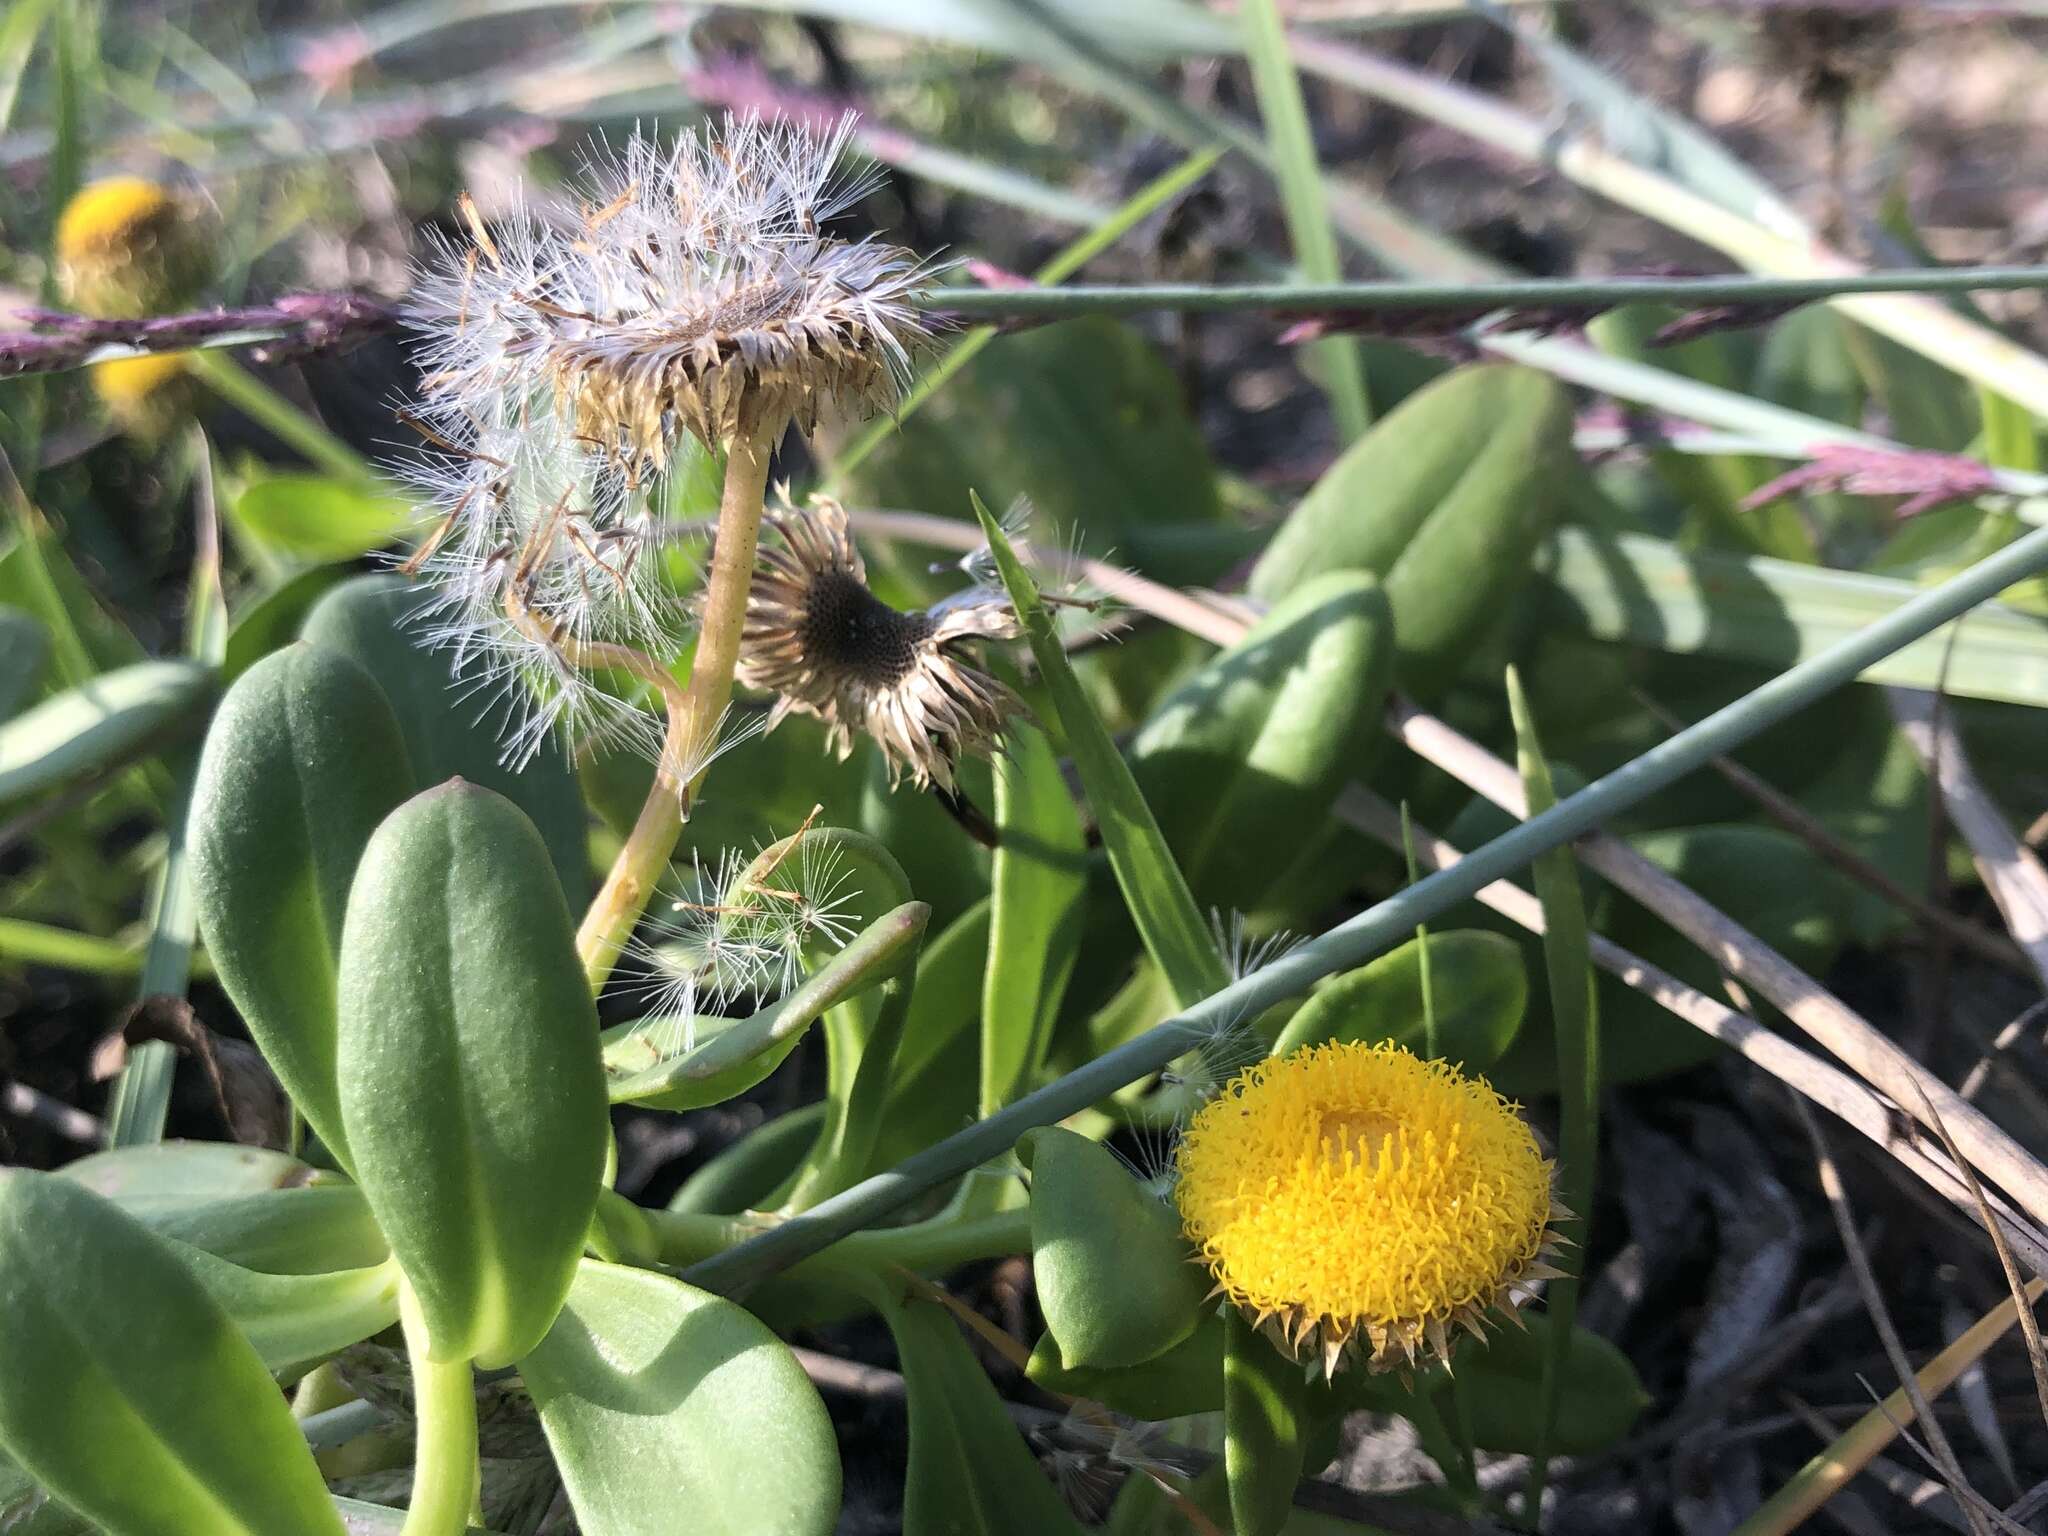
(694, 289)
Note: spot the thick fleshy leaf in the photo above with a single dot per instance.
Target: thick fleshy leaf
(318, 518)
(1038, 879)
(276, 1231)
(747, 1173)
(970, 1472)
(167, 1422)
(1264, 1400)
(293, 1320)
(665, 1404)
(1115, 1275)
(100, 723)
(1479, 990)
(471, 1093)
(1244, 759)
(303, 760)
(195, 1170)
(451, 731)
(1187, 1378)
(1444, 500)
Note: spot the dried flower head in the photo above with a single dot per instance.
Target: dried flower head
(695, 290)
(128, 247)
(1356, 1199)
(827, 646)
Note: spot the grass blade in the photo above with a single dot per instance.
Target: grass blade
(1300, 178)
(1567, 959)
(1168, 920)
(141, 1098)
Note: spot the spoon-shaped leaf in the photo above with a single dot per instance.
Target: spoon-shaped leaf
(124, 1388)
(661, 1400)
(471, 1093)
(303, 760)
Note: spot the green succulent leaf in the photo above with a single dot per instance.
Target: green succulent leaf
(319, 518)
(1445, 500)
(1599, 1400)
(188, 1170)
(1265, 1396)
(1478, 987)
(448, 733)
(744, 1175)
(1188, 1378)
(127, 1392)
(276, 1231)
(658, 1399)
(1247, 756)
(1115, 1275)
(971, 1474)
(1037, 884)
(303, 760)
(471, 1092)
(294, 1319)
(100, 723)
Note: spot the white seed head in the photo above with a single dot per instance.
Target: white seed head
(694, 289)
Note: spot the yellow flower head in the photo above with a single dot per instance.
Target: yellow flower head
(146, 395)
(128, 247)
(1356, 1198)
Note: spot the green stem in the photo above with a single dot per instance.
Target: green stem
(689, 1238)
(693, 727)
(278, 416)
(1323, 298)
(445, 1466)
(1374, 930)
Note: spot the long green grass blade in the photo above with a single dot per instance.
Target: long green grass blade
(141, 1098)
(1374, 930)
(1168, 920)
(1300, 177)
(1568, 962)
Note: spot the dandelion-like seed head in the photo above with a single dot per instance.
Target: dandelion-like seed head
(127, 247)
(544, 575)
(1358, 1200)
(745, 926)
(696, 289)
(817, 637)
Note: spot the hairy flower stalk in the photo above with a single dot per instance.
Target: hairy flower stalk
(693, 292)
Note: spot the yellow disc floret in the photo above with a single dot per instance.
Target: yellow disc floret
(1355, 1197)
(128, 247)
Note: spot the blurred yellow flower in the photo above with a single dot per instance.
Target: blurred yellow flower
(1356, 1199)
(128, 247)
(146, 395)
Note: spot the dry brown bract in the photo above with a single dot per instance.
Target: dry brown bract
(827, 646)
